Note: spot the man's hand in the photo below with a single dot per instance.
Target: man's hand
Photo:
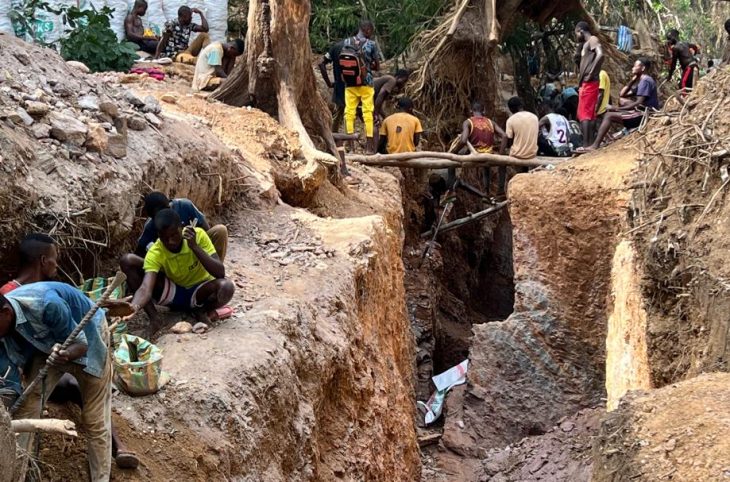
(196, 10)
(611, 108)
(59, 357)
(189, 235)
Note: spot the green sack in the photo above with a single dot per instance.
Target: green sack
(95, 287)
(138, 366)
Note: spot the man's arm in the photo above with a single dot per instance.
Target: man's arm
(673, 62)
(162, 44)
(325, 74)
(203, 27)
(637, 102)
(59, 320)
(596, 44)
(503, 145)
(129, 29)
(383, 144)
(464, 137)
(385, 91)
(498, 130)
(376, 56)
(601, 93)
(220, 71)
(626, 91)
(211, 263)
(144, 294)
(544, 122)
(505, 138)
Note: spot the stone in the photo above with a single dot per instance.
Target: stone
(117, 145)
(97, 139)
(181, 327)
(68, 129)
(170, 98)
(89, 102)
(25, 118)
(110, 109)
(567, 426)
(151, 105)
(41, 131)
(37, 109)
(78, 66)
(137, 123)
(22, 57)
(133, 99)
(200, 328)
(153, 119)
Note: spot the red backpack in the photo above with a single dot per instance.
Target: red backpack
(352, 63)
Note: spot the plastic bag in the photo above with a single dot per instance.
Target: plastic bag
(444, 382)
(95, 287)
(138, 366)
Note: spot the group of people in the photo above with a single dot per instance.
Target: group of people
(213, 61)
(178, 263)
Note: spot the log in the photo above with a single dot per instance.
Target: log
(50, 425)
(438, 160)
(467, 219)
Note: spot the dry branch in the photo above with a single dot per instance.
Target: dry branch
(438, 160)
(50, 425)
(467, 219)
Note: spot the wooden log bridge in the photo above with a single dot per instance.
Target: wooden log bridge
(467, 219)
(441, 160)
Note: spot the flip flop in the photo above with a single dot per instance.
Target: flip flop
(352, 181)
(221, 313)
(126, 460)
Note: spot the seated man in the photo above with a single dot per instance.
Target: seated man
(479, 131)
(135, 31)
(214, 64)
(181, 271)
(521, 132)
(401, 132)
(554, 137)
(636, 96)
(39, 262)
(175, 43)
(35, 320)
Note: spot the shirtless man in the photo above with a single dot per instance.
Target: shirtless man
(134, 29)
(684, 54)
(591, 59)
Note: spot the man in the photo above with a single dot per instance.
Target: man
(39, 262)
(35, 320)
(214, 64)
(135, 31)
(175, 43)
(385, 86)
(359, 57)
(637, 96)
(338, 87)
(522, 130)
(478, 131)
(591, 59)
(401, 132)
(604, 94)
(726, 55)
(181, 271)
(684, 54)
(554, 137)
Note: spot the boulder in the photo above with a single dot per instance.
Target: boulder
(24, 117)
(116, 145)
(151, 105)
(137, 123)
(68, 129)
(181, 327)
(37, 109)
(170, 98)
(153, 119)
(89, 102)
(110, 109)
(133, 99)
(41, 131)
(97, 139)
(78, 66)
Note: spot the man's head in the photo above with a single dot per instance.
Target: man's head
(641, 66)
(140, 7)
(401, 77)
(7, 317)
(673, 36)
(39, 251)
(727, 26)
(155, 202)
(544, 109)
(169, 229)
(234, 48)
(477, 107)
(515, 105)
(710, 64)
(367, 28)
(582, 31)
(405, 104)
(184, 15)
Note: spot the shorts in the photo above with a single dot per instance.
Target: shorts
(588, 101)
(632, 119)
(687, 83)
(178, 297)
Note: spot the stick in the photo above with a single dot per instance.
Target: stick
(468, 219)
(478, 159)
(116, 283)
(52, 425)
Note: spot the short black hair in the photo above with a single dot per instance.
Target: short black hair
(402, 74)
(583, 26)
(710, 63)
(165, 219)
(155, 201)
(673, 34)
(645, 61)
(562, 111)
(727, 26)
(33, 246)
(184, 10)
(515, 104)
(365, 23)
(477, 106)
(139, 3)
(405, 103)
(240, 46)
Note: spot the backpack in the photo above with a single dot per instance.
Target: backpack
(352, 63)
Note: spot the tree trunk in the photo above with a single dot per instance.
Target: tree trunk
(276, 76)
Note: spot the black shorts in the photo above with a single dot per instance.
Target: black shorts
(632, 119)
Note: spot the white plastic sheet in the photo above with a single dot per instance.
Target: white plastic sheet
(444, 382)
(158, 12)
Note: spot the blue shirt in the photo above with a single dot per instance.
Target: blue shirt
(370, 53)
(187, 212)
(45, 314)
(647, 89)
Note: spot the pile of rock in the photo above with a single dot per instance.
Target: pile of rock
(286, 251)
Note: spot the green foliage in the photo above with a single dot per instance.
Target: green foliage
(396, 22)
(93, 42)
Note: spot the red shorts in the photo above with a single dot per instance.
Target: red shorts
(588, 101)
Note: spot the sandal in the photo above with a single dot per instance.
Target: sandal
(126, 460)
(221, 313)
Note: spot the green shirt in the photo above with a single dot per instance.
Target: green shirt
(183, 268)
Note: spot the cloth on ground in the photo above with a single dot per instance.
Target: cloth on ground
(444, 382)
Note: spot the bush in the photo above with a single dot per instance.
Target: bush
(93, 42)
